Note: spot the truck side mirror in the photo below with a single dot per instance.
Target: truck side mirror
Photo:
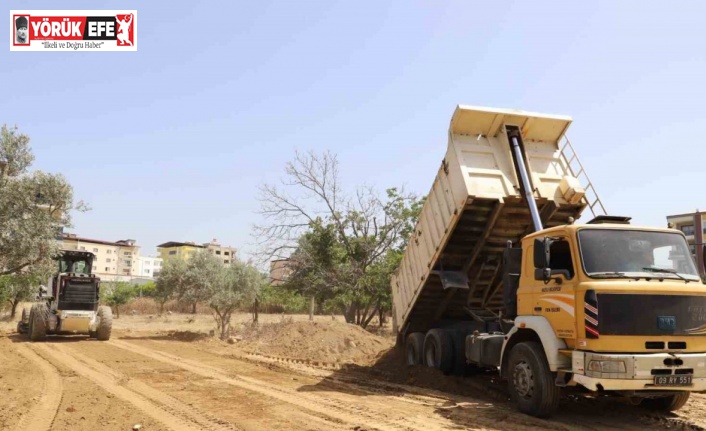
(541, 253)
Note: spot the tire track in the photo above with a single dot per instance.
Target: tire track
(351, 413)
(189, 413)
(41, 416)
(163, 408)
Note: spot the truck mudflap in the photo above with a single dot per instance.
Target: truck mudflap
(650, 371)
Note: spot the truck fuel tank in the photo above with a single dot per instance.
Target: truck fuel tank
(484, 349)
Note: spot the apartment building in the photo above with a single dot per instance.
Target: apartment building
(114, 260)
(280, 270)
(694, 227)
(226, 254)
(184, 250)
(147, 267)
(177, 250)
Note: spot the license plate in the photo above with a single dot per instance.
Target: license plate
(680, 380)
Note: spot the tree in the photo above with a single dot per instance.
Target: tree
(118, 293)
(34, 207)
(234, 286)
(18, 288)
(339, 244)
(202, 271)
(170, 281)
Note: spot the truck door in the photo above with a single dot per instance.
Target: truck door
(556, 299)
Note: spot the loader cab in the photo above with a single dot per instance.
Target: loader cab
(75, 262)
(74, 287)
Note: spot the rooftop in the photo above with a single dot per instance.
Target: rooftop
(169, 244)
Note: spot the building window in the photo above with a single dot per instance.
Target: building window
(126, 271)
(107, 259)
(172, 252)
(82, 248)
(147, 271)
(109, 251)
(128, 262)
(95, 267)
(688, 229)
(107, 269)
(226, 253)
(226, 261)
(95, 250)
(218, 252)
(127, 253)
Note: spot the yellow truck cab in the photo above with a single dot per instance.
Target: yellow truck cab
(625, 303)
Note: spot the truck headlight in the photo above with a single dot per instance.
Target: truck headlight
(607, 366)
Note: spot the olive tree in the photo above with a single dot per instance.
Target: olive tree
(34, 207)
(235, 286)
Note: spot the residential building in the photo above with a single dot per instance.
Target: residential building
(184, 250)
(694, 227)
(114, 260)
(226, 254)
(177, 250)
(147, 267)
(280, 270)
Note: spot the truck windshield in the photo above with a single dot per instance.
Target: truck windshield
(633, 253)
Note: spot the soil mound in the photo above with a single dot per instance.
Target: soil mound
(334, 342)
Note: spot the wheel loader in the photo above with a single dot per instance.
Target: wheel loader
(69, 303)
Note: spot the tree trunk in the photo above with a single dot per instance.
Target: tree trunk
(193, 308)
(117, 312)
(161, 308)
(312, 305)
(381, 317)
(13, 309)
(349, 313)
(255, 311)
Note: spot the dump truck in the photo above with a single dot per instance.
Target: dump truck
(69, 303)
(499, 275)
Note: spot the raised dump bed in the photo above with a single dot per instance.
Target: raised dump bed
(451, 269)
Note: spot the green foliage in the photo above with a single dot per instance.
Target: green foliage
(148, 289)
(277, 299)
(18, 288)
(171, 280)
(34, 207)
(232, 287)
(117, 293)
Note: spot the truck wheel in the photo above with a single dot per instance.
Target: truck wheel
(667, 404)
(105, 323)
(414, 348)
(439, 350)
(530, 381)
(38, 325)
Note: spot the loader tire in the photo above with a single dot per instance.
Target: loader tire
(414, 348)
(439, 350)
(531, 383)
(38, 324)
(105, 323)
(666, 404)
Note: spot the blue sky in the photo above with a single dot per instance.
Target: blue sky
(171, 142)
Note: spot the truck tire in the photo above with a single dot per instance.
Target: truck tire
(38, 324)
(439, 350)
(530, 381)
(666, 404)
(105, 323)
(414, 348)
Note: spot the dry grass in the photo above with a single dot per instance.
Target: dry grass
(150, 306)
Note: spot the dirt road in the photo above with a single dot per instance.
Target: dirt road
(164, 384)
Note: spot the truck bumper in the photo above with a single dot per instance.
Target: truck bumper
(618, 372)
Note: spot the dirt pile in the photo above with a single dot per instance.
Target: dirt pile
(333, 341)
